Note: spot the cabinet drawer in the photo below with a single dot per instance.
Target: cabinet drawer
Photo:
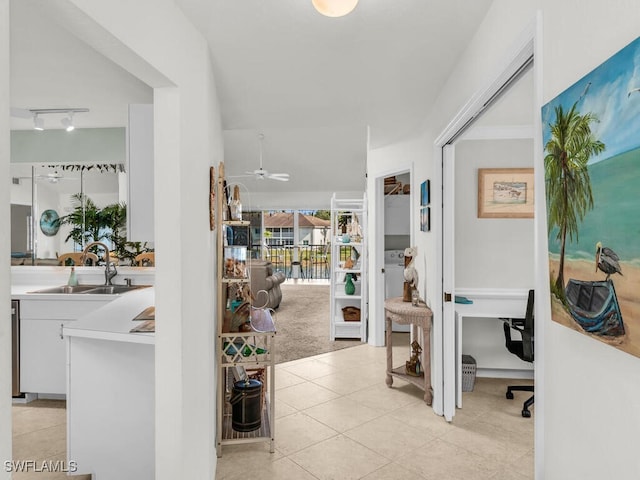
(59, 309)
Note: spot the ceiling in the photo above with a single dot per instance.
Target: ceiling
(312, 85)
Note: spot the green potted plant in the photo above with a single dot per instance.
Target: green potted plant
(86, 220)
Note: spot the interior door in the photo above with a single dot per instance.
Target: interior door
(448, 283)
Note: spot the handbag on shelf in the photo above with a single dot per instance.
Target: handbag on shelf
(261, 319)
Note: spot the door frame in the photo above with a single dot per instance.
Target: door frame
(528, 46)
(376, 261)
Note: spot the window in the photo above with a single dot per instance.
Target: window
(279, 236)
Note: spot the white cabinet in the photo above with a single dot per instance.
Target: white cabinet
(110, 408)
(140, 204)
(43, 352)
(396, 214)
(349, 305)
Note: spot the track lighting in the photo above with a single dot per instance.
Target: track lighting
(38, 122)
(67, 122)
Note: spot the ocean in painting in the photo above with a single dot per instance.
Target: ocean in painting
(615, 217)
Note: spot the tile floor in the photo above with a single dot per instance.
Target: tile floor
(40, 436)
(337, 419)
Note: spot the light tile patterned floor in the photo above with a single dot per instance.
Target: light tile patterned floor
(337, 419)
(40, 441)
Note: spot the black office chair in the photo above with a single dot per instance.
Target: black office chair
(523, 348)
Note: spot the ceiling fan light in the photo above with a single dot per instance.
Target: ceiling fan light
(38, 123)
(334, 8)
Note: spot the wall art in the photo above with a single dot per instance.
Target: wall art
(592, 171)
(505, 193)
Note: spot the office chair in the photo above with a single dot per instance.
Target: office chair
(523, 348)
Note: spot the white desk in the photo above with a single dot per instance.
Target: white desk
(487, 305)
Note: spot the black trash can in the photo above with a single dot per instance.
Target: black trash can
(246, 402)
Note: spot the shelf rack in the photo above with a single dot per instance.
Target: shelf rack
(254, 351)
(351, 212)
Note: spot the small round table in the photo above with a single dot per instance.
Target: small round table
(404, 313)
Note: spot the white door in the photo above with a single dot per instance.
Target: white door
(448, 283)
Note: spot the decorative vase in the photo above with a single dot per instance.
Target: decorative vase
(349, 287)
(235, 207)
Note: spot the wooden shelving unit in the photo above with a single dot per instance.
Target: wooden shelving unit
(254, 351)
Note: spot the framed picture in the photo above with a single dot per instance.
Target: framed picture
(425, 188)
(505, 193)
(237, 235)
(425, 219)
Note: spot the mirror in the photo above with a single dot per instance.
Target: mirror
(60, 208)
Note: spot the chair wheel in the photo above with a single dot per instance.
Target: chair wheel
(526, 413)
(509, 395)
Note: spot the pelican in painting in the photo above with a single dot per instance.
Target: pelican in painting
(607, 260)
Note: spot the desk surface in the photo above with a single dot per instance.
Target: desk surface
(492, 308)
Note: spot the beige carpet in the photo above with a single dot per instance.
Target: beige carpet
(302, 323)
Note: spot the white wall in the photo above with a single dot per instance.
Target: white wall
(382, 162)
(298, 200)
(187, 141)
(592, 390)
(5, 243)
(490, 252)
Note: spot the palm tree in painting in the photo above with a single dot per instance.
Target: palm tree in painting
(568, 184)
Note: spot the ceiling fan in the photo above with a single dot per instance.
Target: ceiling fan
(262, 174)
(53, 177)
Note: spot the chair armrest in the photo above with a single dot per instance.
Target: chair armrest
(515, 323)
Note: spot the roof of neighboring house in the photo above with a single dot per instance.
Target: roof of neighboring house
(283, 220)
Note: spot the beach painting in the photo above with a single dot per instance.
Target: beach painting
(591, 140)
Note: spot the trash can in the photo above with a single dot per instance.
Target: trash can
(468, 373)
(246, 402)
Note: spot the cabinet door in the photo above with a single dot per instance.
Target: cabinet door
(43, 356)
(396, 215)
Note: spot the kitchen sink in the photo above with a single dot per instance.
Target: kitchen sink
(67, 289)
(114, 289)
(92, 289)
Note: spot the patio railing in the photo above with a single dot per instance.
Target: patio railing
(305, 261)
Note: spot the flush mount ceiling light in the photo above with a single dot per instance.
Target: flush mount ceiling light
(334, 8)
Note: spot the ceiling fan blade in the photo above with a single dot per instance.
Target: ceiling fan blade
(21, 112)
(282, 177)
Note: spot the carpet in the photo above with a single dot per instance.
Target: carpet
(302, 323)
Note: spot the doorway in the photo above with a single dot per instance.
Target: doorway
(473, 124)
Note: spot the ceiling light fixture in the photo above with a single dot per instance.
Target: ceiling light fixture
(67, 122)
(38, 122)
(334, 8)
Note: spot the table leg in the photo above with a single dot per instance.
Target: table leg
(389, 379)
(426, 362)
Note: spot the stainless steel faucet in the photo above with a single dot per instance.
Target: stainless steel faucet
(108, 273)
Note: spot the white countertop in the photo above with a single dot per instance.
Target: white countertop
(25, 292)
(114, 320)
